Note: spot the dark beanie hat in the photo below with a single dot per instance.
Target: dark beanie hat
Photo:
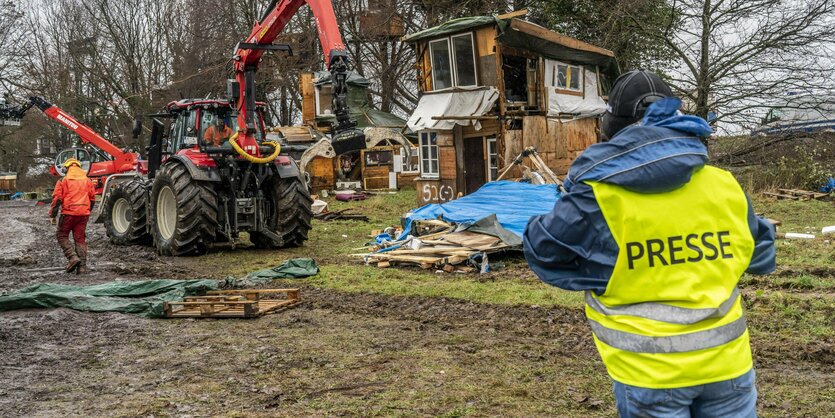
(630, 97)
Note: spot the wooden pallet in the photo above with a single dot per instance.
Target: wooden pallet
(246, 303)
(796, 194)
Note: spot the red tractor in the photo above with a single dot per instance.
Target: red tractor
(198, 191)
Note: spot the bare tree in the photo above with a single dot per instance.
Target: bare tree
(13, 41)
(735, 57)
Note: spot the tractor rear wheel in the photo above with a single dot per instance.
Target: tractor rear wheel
(184, 212)
(125, 213)
(289, 213)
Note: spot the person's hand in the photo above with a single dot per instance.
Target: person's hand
(53, 221)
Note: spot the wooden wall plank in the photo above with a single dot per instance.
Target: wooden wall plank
(446, 159)
(308, 98)
(322, 176)
(435, 191)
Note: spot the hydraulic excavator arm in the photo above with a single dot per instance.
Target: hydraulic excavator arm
(248, 55)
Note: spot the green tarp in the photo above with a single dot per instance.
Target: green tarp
(143, 297)
(452, 26)
(291, 269)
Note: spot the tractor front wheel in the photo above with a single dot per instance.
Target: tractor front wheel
(288, 213)
(124, 213)
(184, 212)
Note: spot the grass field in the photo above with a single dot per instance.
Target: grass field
(385, 342)
(791, 312)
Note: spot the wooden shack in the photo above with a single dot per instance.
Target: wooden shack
(8, 182)
(493, 85)
(373, 168)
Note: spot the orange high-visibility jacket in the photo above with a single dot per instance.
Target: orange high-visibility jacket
(216, 136)
(75, 193)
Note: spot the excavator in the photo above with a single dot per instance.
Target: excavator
(104, 160)
(199, 191)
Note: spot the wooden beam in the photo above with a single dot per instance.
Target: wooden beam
(557, 38)
(511, 15)
(464, 117)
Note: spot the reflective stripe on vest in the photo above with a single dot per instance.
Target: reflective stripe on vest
(681, 343)
(663, 312)
(671, 315)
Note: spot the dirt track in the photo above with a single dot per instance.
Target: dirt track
(336, 354)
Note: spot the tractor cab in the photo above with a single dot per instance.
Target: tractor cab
(203, 124)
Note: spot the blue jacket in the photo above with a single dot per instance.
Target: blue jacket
(572, 248)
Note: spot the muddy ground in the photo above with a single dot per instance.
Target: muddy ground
(336, 354)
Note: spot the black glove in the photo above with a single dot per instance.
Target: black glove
(55, 210)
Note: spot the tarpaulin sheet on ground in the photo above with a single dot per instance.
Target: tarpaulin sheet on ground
(291, 269)
(512, 203)
(145, 297)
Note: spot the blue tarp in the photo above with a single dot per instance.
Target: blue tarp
(512, 202)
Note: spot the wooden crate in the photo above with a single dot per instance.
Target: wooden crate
(246, 303)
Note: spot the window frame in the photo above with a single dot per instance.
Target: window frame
(428, 135)
(405, 165)
(581, 85)
(487, 154)
(453, 61)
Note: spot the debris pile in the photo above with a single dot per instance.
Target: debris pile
(458, 236)
(436, 244)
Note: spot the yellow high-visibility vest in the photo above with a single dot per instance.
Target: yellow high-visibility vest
(671, 315)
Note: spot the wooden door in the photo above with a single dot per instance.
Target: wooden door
(474, 166)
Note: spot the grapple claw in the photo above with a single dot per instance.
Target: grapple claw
(348, 141)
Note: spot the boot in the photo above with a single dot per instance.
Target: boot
(81, 251)
(73, 264)
(69, 252)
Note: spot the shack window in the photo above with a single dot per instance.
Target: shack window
(376, 158)
(441, 64)
(492, 160)
(568, 77)
(464, 60)
(429, 155)
(453, 62)
(410, 165)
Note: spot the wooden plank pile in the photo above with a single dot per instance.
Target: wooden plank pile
(246, 303)
(796, 194)
(434, 245)
(343, 214)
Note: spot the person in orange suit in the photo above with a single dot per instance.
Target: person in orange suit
(217, 134)
(74, 196)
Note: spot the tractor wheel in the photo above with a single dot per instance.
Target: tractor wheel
(184, 212)
(124, 213)
(288, 206)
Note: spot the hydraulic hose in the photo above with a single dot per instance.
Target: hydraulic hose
(252, 158)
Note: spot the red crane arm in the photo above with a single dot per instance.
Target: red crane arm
(248, 55)
(275, 20)
(123, 161)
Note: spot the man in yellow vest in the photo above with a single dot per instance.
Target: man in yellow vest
(658, 240)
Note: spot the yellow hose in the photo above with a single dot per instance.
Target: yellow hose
(252, 158)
